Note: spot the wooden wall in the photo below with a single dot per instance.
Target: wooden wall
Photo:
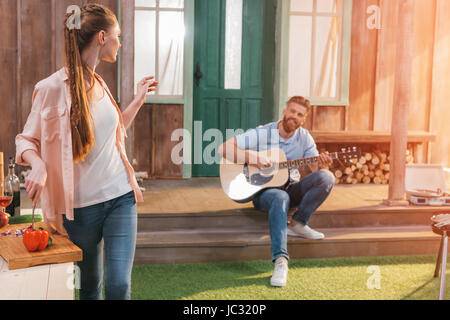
(31, 50)
(32, 46)
(152, 144)
(440, 97)
(373, 69)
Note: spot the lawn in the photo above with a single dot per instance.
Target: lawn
(369, 278)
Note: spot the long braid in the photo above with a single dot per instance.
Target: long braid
(82, 136)
(94, 18)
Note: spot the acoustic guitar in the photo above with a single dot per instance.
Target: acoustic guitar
(242, 182)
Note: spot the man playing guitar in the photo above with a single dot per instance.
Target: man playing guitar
(306, 194)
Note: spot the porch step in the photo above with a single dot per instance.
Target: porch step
(238, 218)
(245, 244)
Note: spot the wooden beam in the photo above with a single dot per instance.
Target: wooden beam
(2, 175)
(19, 117)
(416, 137)
(385, 72)
(127, 65)
(402, 98)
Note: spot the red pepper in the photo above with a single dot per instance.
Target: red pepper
(35, 240)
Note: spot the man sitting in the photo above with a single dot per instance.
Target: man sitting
(306, 195)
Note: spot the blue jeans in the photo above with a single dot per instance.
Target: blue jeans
(306, 195)
(114, 222)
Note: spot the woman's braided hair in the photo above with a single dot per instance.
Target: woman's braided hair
(94, 18)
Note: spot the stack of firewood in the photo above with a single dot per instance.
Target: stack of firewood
(372, 167)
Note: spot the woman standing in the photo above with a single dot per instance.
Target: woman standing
(74, 142)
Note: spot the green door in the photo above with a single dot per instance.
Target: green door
(224, 98)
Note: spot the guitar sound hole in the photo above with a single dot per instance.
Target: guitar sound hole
(259, 180)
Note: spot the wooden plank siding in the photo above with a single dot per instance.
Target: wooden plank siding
(32, 49)
(8, 78)
(372, 76)
(440, 112)
(363, 69)
(152, 144)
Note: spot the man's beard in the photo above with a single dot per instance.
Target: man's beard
(290, 126)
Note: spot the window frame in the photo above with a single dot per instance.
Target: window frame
(170, 99)
(283, 56)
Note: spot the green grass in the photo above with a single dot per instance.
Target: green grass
(402, 277)
(408, 277)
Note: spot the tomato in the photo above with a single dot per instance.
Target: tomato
(4, 219)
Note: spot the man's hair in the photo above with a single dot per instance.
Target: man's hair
(301, 101)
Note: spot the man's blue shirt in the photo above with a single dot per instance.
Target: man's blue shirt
(300, 145)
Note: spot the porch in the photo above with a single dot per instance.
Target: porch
(185, 221)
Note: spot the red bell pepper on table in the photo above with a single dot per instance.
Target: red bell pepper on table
(36, 239)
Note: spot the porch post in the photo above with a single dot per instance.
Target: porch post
(402, 97)
(127, 66)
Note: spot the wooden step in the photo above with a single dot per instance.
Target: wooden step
(214, 245)
(233, 219)
(364, 217)
(375, 216)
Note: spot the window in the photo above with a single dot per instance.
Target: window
(159, 45)
(319, 50)
(233, 44)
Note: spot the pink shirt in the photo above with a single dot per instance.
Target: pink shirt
(48, 132)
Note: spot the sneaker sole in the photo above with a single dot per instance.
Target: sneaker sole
(275, 284)
(293, 234)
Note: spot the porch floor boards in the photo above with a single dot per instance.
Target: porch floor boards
(199, 195)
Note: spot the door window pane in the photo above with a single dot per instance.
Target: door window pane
(171, 46)
(145, 3)
(316, 53)
(233, 44)
(171, 3)
(326, 63)
(326, 6)
(302, 5)
(300, 56)
(159, 45)
(145, 45)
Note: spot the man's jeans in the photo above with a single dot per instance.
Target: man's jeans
(115, 222)
(307, 195)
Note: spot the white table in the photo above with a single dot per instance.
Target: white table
(45, 282)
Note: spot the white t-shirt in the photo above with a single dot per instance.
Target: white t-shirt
(102, 176)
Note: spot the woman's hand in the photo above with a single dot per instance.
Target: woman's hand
(145, 86)
(35, 181)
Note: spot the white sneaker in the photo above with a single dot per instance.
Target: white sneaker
(299, 230)
(280, 272)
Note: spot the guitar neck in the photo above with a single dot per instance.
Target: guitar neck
(304, 162)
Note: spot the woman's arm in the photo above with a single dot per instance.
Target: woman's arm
(36, 180)
(130, 113)
(145, 86)
(28, 145)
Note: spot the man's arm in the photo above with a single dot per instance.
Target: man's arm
(230, 151)
(311, 150)
(324, 163)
